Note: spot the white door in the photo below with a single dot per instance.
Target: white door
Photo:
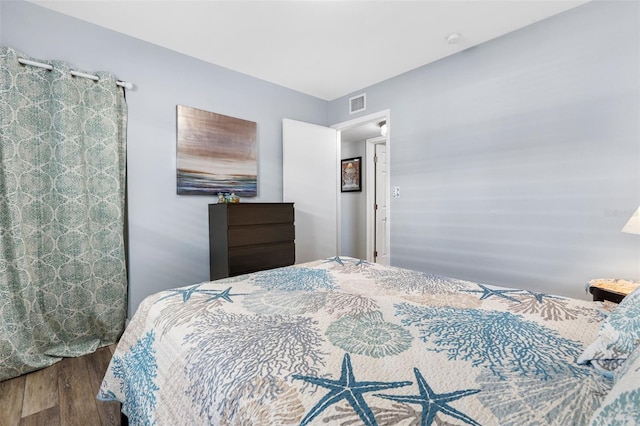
(381, 204)
(310, 181)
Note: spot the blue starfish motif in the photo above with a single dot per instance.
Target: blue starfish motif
(488, 292)
(187, 292)
(540, 296)
(433, 402)
(226, 295)
(348, 388)
(362, 262)
(335, 259)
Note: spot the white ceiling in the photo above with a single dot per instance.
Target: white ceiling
(325, 48)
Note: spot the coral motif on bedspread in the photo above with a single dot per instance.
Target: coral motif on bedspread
(500, 341)
(137, 370)
(278, 302)
(526, 400)
(230, 352)
(413, 282)
(550, 308)
(341, 304)
(395, 414)
(293, 278)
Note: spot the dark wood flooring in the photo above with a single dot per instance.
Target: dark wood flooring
(63, 394)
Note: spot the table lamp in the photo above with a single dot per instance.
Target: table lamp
(633, 225)
(615, 290)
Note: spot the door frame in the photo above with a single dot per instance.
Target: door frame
(370, 196)
(373, 117)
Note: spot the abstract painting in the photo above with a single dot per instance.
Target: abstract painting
(216, 153)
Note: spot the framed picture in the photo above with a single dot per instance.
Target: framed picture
(216, 153)
(351, 174)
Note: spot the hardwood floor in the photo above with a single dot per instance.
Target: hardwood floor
(63, 394)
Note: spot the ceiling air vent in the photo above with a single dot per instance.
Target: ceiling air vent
(358, 103)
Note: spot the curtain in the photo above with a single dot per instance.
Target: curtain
(62, 267)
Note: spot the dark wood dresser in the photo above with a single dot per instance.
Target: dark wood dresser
(250, 237)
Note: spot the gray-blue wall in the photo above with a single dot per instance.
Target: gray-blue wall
(519, 160)
(168, 233)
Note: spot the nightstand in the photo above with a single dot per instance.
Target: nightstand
(613, 290)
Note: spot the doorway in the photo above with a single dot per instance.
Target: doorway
(377, 200)
(364, 221)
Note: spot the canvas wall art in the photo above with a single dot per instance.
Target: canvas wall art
(215, 153)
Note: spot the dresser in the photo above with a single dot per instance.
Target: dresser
(250, 237)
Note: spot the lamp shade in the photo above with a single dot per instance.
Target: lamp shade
(633, 225)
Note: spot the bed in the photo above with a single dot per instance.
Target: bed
(343, 341)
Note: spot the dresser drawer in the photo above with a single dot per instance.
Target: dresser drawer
(257, 214)
(243, 260)
(261, 234)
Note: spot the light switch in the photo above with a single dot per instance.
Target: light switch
(395, 192)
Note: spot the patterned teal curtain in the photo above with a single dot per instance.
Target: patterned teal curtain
(62, 267)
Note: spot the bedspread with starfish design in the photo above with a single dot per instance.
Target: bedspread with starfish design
(346, 342)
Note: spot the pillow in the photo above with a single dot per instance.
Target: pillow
(618, 337)
(621, 406)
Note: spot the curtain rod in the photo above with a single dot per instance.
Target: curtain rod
(125, 84)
